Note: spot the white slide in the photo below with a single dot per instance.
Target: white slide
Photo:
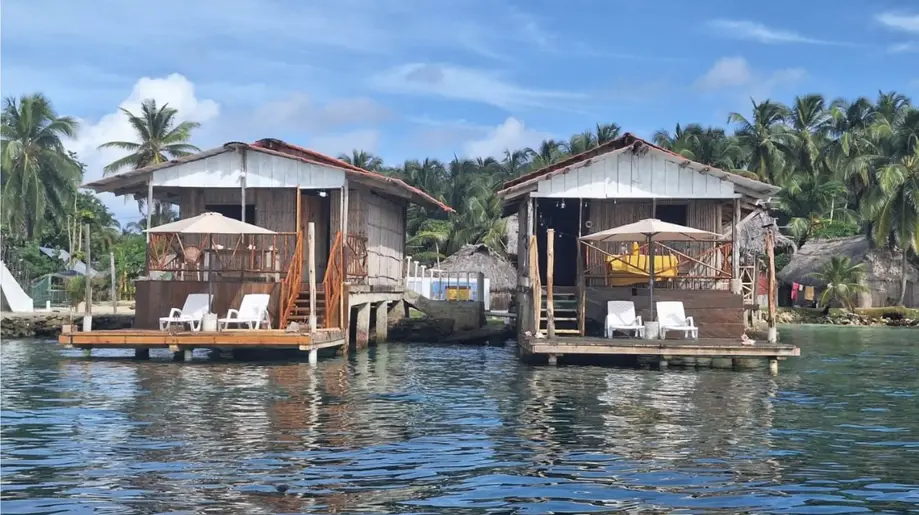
(14, 297)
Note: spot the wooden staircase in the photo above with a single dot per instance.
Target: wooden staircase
(566, 312)
(300, 309)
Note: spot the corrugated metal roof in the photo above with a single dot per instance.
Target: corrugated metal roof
(756, 188)
(272, 147)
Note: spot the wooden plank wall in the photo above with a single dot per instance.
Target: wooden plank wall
(154, 299)
(275, 208)
(719, 314)
(385, 240)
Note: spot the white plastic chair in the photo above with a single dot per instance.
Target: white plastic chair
(253, 311)
(196, 306)
(620, 316)
(672, 318)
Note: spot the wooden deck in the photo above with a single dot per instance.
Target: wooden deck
(178, 341)
(666, 349)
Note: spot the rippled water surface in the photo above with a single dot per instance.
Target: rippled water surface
(444, 429)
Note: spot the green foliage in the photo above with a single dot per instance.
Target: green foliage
(843, 280)
(39, 177)
(825, 229)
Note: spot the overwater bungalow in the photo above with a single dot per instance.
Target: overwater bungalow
(358, 221)
(618, 183)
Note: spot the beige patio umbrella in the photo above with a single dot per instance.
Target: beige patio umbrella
(210, 224)
(651, 230)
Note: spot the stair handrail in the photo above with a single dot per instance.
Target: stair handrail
(332, 283)
(292, 283)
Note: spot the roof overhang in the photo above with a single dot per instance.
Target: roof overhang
(135, 182)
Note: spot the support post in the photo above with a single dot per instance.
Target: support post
(314, 357)
(397, 311)
(756, 263)
(111, 256)
(363, 326)
(581, 280)
(774, 366)
(149, 209)
(770, 255)
(550, 278)
(480, 287)
(188, 354)
(311, 246)
(736, 284)
(553, 359)
(141, 353)
(664, 362)
(382, 322)
(344, 306)
(242, 184)
(88, 302)
(87, 352)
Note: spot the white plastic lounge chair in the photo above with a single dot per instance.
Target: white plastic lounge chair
(253, 311)
(620, 316)
(195, 307)
(673, 318)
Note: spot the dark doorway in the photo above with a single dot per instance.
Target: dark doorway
(563, 216)
(233, 211)
(673, 213)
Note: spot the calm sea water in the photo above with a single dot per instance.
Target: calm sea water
(444, 429)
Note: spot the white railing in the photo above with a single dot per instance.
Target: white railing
(437, 284)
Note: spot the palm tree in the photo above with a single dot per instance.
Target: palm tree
(580, 143)
(843, 280)
(893, 208)
(549, 152)
(514, 163)
(810, 124)
(607, 132)
(160, 139)
(765, 138)
(362, 159)
(39, 177)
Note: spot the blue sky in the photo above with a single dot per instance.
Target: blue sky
(417, 78)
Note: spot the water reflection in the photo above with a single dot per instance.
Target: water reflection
(450, 429)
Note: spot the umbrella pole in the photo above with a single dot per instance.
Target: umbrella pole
(210, 270)
(651, 276)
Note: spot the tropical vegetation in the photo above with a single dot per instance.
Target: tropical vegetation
(844, 280)
(846, 166)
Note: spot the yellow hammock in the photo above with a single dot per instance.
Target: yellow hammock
(632, 268)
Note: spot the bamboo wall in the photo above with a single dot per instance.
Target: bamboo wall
(385, 240)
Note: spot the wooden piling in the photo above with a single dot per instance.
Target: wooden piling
(311, 246)
(550, 278)
(363, 326)
(382, 322)
(770, 255)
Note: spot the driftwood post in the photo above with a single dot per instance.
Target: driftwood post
(88, 302)
(550, 279)
(311, 246)
(770, 255)
(111, 256)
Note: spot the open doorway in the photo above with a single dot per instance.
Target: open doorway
(563, 216)
(672, 213)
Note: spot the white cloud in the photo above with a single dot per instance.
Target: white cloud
(175, 89)
(735, 74)
(899, 21)
(469, 84)
(511, 134)
(753, 31)
(726, 72)
(903, 48)
(333, 145)
(298, 111)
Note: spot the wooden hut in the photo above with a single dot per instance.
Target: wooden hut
(617, 183)
(883, 274)
(358, 219)
(501, 274)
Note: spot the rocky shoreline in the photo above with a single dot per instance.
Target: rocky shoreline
(893, 318)
(48, 325)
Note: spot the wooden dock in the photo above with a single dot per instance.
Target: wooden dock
(665, 349)
(176, 342)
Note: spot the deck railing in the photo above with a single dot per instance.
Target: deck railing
(261, 257)
(692, 265)
(292, 284)
(333, 285)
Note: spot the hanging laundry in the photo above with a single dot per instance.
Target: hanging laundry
(794, 291)
(809, 293)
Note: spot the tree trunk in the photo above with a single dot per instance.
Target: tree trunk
(902, 299)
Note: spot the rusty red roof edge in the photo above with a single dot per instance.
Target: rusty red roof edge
(279, 146)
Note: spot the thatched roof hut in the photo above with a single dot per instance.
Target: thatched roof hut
(751, 237)
(882, 269)
(501, 273)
